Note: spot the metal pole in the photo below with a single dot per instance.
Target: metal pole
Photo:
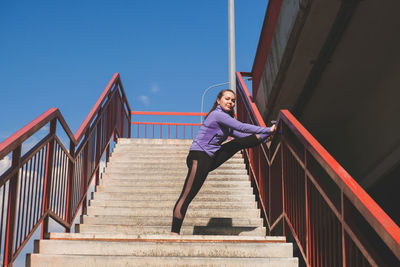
(204, 93)
(208, 89)
(231, 29)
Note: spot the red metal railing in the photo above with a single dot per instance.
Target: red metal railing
(171, 129)
(306, 195)
(50, 180)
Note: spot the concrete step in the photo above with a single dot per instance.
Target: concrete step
(185, 230)
(177, 183)
(171, 171)
(187, 143)
(158, 177)
(166, 221)
(206, 189)
(189, 248)
(153, 141)
(100, 261)
(151, 150)
(165, 172)
(172, 168)
(156, 147)
(170, 204)
(169, 196)
(180, 156)
(158, 154)
(234, 213)
(163, 160)
(129, 220)
(166, 238)
(168, 165)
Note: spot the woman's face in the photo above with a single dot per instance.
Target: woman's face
(227, 101)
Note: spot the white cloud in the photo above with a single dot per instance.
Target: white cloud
(154, 88)
(144, 99)
(5, 164)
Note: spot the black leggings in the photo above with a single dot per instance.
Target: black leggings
(199, 165)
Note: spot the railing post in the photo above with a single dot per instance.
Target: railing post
(12, 208)
(85, 170)
(48, 177)
(121, 121)
(70, 189)
(114, 115)
(308, 237)
(130, 125)
(250, 161)
(261, 181)
(342, 232)
(98, 154)
(108, 153)
(283, 164)
(269, 200)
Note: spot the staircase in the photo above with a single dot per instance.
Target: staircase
(129, 217)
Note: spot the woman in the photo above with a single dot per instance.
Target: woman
(207, 153)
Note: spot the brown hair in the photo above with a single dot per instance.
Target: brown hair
(219, 96)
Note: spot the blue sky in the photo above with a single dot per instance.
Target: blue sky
(63, 53)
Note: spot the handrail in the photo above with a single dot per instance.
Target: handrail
(50, 180)
(305, 191)
(89, 118)
(379, 220)
(160, 125)
(27, 131)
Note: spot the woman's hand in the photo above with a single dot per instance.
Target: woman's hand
(273, 128)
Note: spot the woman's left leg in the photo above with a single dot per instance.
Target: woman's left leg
(230, 148)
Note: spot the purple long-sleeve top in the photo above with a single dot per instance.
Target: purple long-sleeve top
(217, 127)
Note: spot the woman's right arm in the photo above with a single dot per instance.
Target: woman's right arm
(225, 120)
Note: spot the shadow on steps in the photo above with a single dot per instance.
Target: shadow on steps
(221, 226)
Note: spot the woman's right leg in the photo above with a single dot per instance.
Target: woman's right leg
(230, 148)
(198, 163)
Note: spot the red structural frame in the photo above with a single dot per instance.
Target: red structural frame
(302, 190)
(305, 194)
(50, 180)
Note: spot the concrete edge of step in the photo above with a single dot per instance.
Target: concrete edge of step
(153, 141)
(100, 260)
(165, 238)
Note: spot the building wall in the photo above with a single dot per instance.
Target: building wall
(284, 26)
(336, 66)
